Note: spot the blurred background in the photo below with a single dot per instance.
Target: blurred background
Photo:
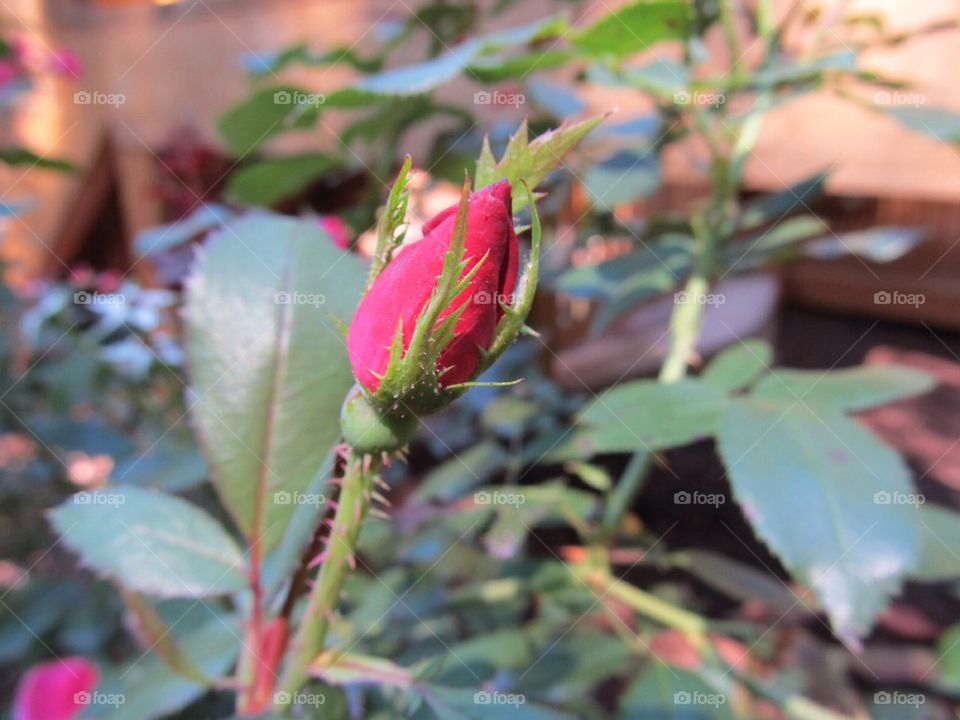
(130, 129)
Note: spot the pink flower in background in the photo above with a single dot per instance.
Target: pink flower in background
(109, 281)
(64, 62)
(8, 73)
(55, 690)
(337, 230)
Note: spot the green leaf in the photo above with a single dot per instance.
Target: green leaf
(266, 113)
(18, 156)
(300, 54)
(646, 414)
(663, 77)
(623, 177)
(454, 703)
(739, 581)
(465, 470)
(355, 669)
(848, 389)
(151, 542)
(498, 69)
(531, 162)
(738, 366)
(814, 485)
(157, 637)
(880, 244)
(801, 73)
(430, 74)
(936, 123)
(672, 694)
(939, 544)
(782, 241)
(422, 77)
(169, 466)
(152, 690)
(635, 27)
(626, 281)
(559, 99)
(775, 207)
(270, 367)
(657, 268)
(269, 181)
(948, 650)
(164, 237)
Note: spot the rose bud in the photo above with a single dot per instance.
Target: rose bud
(401, 292)
(437, 314)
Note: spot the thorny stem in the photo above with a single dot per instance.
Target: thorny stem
(354, 504)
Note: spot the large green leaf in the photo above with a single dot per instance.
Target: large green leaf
(828, 498)
(269, 181)
(269, 364)
(635, 27)
(151, 542)
(856, 388)
(650, 415)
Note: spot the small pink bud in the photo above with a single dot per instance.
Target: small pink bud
(56, 690)
(337, 230)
